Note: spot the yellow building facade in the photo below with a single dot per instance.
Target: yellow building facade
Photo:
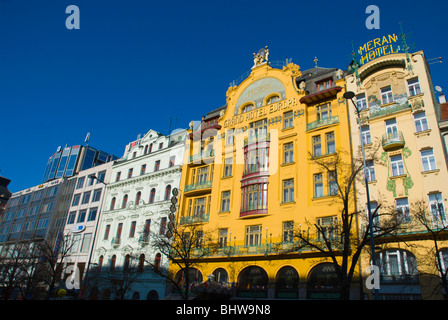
(408, 177)
(250, 181)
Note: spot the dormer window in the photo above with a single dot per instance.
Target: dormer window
(324, 84)
(272, 100)
(248, 108)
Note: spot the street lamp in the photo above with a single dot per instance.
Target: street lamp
(349, 95)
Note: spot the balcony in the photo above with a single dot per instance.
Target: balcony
(322, 122)
(196, 158)
(393, 141)
(257, 139)
(198, 186)
(116, 242)
(194, 219)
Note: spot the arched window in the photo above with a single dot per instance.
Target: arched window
(272, 99)
(127, 261)
(221, 275)
(100, 263)
(248, 108)
(150, 148)
(125, 201)
(112, 204)
(137, 198)
(113, 260)
(146, 149)
(157, 261)
(167, 192)
(141, 263)
(152, 195)
(397, 264)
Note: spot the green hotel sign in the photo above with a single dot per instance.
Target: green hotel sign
(378, 47)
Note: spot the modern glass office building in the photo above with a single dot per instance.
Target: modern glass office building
(65, 162)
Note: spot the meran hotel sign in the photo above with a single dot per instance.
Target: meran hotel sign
(378, 47)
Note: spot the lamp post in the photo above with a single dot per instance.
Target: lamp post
(349, 95)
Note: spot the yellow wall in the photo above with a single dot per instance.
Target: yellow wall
(304, 210)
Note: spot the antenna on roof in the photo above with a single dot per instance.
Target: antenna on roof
(86, 140)
(439, 59)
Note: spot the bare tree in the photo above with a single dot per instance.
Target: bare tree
(183, 245)
(431, 221)
(51, 251)
(340, 241)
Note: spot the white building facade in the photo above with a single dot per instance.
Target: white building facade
(82, 220)
(137, 201)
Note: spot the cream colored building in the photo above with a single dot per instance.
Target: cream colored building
(398, 115)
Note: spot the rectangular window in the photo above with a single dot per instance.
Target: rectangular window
(403, 213)
(202, 175)
(71, 217)
(162, 226)
(130, 172)
(324, 112)
(331, 147)
(370, 171)
(288, 153)
(157, 165)
(92, 214)
(118, 235)
(80, 183)
(106, 232)
(43, 223)
(386, 95)
(287, 120)
(288, 231)
(101, 177)
(376, 218)
(327, 228)
(318, 186)
(225, 201)
(143, 169)
(413, 87)
(365, 135)
(428, 160)
(86, 242)
(317, 149)
(118, 176)
(85, 197)
(437, 209)
(146, 229)
(332, 183)
(253, 235)
(228, 163)
(81, 216)
(420, 122)
(361, 101)
(90, 179)
(47, 207)
(96, 195)
(288, 190)
(199, 206)
(222, 238)
(229, 137)
(172, 161)
(76, 239)
(397, 167)
(132, 230)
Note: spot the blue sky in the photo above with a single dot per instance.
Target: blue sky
(134, 65)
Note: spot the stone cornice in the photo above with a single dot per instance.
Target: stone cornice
(147, 177)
